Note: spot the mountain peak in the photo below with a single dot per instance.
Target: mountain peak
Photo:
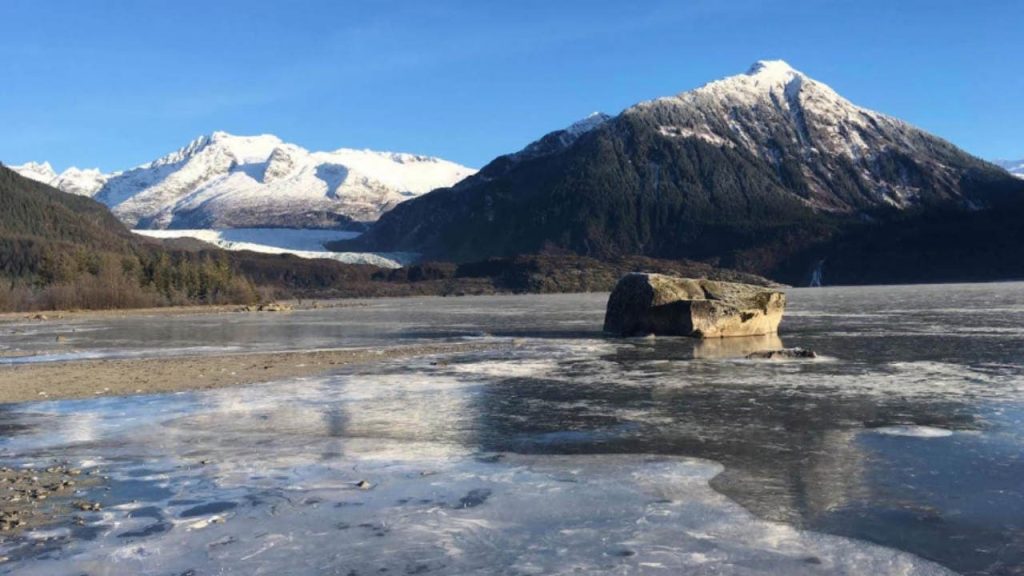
(772, 68)
(39, 171)
(84, 182)
(765, 79)
(38, 167)
(228, 138)
(244, 149)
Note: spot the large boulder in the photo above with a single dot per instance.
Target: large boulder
(643, 304)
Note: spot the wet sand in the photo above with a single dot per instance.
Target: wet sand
(120, 377)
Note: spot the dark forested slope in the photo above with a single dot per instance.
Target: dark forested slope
(770, 172)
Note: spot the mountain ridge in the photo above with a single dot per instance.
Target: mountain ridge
(227, 181)
(753, 171)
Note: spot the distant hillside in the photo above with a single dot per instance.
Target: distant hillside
(769, 171)
(35, 211)
(59, 250)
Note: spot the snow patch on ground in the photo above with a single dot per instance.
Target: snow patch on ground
(702, 133)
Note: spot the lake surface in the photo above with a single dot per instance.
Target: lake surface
(897, 451)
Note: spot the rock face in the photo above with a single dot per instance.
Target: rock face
(643, 304)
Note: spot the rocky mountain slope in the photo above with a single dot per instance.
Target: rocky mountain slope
(760, 171)
(226, 181)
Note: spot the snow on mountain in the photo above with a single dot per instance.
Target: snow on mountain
(774, 110)
(1015, 167)
(73, 180)
(751, 169)
(38, 171)
(302, 243)
(561, 139)
(78, 181)
(227, 181)
(550, 143)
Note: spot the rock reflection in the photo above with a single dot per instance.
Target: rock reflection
(791, 453)
(334, 420)
(408, 408)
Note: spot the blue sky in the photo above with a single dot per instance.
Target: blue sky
(117, 83)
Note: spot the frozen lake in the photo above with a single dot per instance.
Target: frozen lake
(898, 451)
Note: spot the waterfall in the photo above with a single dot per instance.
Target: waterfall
(817, 274)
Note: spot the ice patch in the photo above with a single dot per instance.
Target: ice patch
(508, 369)
(911, 431)
(464, 515)
(29, 358)
(71, 356)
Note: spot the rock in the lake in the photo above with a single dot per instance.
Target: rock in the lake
(643, 304)
(783, 354)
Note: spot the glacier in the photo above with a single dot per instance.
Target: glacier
(304, 243)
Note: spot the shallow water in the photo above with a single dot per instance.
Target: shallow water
(899, 450)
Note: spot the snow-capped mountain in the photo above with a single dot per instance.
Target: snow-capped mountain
(1015, 167)
(73, 180)
(78, 181)
(754, 171)
(227, 181)
(38, 171)
(846, 157)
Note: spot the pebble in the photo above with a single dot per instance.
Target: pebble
(86, 506)
(26, 489)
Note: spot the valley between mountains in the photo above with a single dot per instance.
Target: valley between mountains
(768, 173)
